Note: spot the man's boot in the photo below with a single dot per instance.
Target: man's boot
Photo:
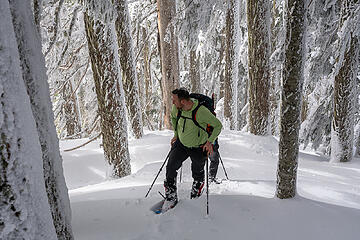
(214, 179)
(196, 189)
(170, 195)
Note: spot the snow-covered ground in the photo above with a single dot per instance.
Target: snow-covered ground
(327, 206)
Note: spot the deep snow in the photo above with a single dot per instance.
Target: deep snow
(327, 205)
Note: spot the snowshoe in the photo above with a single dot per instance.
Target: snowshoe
(171, 198)
(214, 180)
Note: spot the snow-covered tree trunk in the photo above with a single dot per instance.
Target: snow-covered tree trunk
(127, 61)
(105, 62)
(194, 72)
(357, 140)
(276, 63)
(291, 99)
(342, 129)
(147, 71)
(259, 69)
(321, 51)
(24, 206)
(146, 94)
(242, 100)
(70, 110)
(243, 83)
(34, 75)
(221, 40)
(37, 7)
(169, 54)
(231, 64)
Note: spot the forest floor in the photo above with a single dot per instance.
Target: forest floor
(327, 205)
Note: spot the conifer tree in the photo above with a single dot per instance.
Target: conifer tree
(291, 99)
(103, 50)
(127, 61)
(342, 129)
(169, 54)
(258, 15)
(34, 75)
(231, 67)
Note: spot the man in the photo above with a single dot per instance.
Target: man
(214, 163)
(189, 141)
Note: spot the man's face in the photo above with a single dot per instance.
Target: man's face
(176, 101)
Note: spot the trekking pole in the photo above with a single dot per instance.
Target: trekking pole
(181, 173)
(222, 163)
(207, 186)
(158, 174)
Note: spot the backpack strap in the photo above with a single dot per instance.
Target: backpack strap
(180, 116)
(177, 119)
(194, 117)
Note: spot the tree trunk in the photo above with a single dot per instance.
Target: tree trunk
(34, 75)
(169, 54)
(222, 53)
(357, 142)
(71, 113)
(147, 70)
(342, 131)
(128, 66)
(291, 100)
(194, 72)
(231, 64)
(37, 8)
(24, 208)
(259, 70)
(242, 100)
(277, 47)
(103, 51)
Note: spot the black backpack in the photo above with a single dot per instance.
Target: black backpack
(205, 101)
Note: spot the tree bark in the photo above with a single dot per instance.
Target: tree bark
(342, 131)
(169, 54)
(147, 70)
(34, 75)
(71, 113)
(194, 72)
(37, 8)
(231, 64)
(103, 52)
(24, 206)
(291, 100)
(128, 66)
(357, 137)
(222, 53)
(277, 54)
(258, 12)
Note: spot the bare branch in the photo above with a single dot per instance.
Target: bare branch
(91, 140)
(70, 30)
(56, 26)
(77, 87)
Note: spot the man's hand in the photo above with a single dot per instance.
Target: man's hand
(173, 140)
(208, 147)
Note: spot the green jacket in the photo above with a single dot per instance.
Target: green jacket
(191, 135)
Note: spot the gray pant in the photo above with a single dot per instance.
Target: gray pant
(214, 161)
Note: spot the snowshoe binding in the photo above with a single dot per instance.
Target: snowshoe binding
(196, 189)
(170, 196)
